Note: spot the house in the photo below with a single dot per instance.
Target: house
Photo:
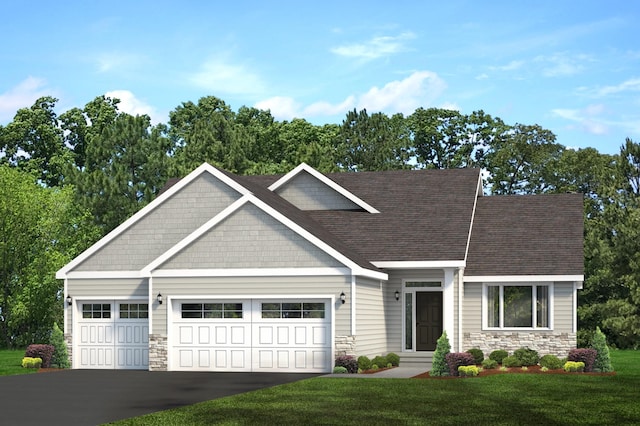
(284, 273)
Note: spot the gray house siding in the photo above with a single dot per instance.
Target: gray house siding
(250, 238)
(308, 193)
(372, 328)
(163, 227)
(557, 341)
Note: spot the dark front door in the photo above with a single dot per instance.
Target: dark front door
(428, 319)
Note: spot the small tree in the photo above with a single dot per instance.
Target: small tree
(439, 366)
(603, 361)
(60, 357)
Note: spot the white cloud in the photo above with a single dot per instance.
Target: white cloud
(375, 48)
(218, 76)
(560, 64)
(323, 108)
(511, 66)
(281, 107)
(21, 96)
(134, 106)
(631, 85)
(482, 76)
(587, 119)
(117, 61)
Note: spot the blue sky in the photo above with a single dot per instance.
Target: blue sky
(572, 67)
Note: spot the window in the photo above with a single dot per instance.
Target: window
(408, 321)
(134, 310)
(96, 310)
(293, 310)
(422, 284)
(211, 310)
(517, 306)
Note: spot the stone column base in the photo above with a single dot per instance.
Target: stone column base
(545, 343)
(158, 352)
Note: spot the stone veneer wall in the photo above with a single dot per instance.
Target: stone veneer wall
(558, 344)
(158, 352)
(68, 341)
(345, 345)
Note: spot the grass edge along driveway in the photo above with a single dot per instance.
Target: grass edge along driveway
(501, 399)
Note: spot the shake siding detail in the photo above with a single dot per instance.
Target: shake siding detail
(248, 287)
(163, 227)
(372, 328)
(250, 238)
(308, 193)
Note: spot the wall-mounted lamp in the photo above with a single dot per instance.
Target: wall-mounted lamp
(159, 299)
(343, 297)
(69, 300)
(397, 295)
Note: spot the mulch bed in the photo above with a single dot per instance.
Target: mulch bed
(535, 369)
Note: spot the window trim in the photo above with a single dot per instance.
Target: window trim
(534, 294)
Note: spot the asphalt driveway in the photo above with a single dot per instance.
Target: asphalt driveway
(91, 397)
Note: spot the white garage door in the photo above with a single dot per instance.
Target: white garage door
(112, 335)
(251, 335)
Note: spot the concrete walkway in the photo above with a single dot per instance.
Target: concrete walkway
(393, 373)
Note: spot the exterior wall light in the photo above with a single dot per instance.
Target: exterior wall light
(69, 300)
(397, 295)
(343, 297)
(159, 299)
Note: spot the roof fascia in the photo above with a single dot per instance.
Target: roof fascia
(303, 167)
(250, 272)
(522, 278)
(426, 264)
(473, 213)
(203, 168)
(90, 275)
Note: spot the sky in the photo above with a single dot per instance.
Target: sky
(572, 67)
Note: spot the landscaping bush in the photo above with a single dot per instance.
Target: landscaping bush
(574, 366)
(551, 362)
(44, 352)
(602, 363)
(60, 358)
(364, 363)
(468, 371)
(439, 365)
(489, 364)
(29, 362)
(527, 356)
(498, 355)
(380, 361)
(339, 370)
(457, 359)
(511, 361)
(478, 355)
(394, 359)
(585, 355)
(348, 362)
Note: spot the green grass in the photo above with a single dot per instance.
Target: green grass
(11, 363)
(497, 400)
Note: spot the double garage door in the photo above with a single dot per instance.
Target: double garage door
(113, 335)
(250, 335)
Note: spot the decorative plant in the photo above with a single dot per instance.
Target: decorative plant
(478, 355)
(586, 355)
(574, 366)
(60, 358)
(439, 365)
(551, 362)
(603, 361)
(364, 363)
(468, 371)
(511, 361)
(498, 355)
(457, 359)
(393, 358)
(44, 352)
(30, 362)
(348, 362)
(489, 364)
(527, 356)
(339, 370)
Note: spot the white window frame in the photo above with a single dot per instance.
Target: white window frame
(533, 285)
(412, 291)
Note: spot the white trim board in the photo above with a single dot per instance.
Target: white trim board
(522, 278)
(419, 264)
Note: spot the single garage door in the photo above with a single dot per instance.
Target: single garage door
(251, 335)
(112, 335)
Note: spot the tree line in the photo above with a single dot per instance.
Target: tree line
(66, 180)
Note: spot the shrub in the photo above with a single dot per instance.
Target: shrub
(544, 369)
(456, 359)
(29, 362)
(349, 362)
(602, 363)
(375, 367)
(364, 363)
(498, 355)
(339, 370)
(574, 366)
(478, 355)
(394, 359)
(489, 364)
(60, 357)
(380, 361)
(511, 361)
(551, 362)
(527, 356)
(586, 355)
(468, 371)
(44, 352)
(439, 365)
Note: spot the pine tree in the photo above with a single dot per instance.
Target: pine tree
(603, 361)
(60, 355)
(439, 366)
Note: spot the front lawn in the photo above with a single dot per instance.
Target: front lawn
(11, 363)
(501, 399)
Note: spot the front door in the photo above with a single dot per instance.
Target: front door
(428, 319)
